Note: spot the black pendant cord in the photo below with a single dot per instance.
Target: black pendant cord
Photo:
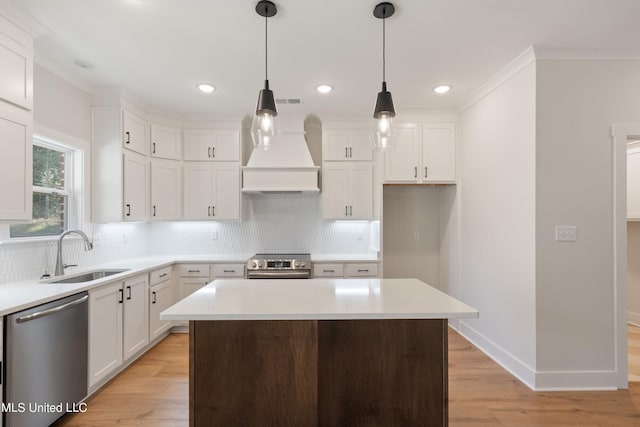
(266, 47)
(384, 49)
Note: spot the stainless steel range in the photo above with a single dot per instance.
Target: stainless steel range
(279, 266)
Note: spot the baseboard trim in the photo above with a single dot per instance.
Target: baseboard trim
(511, 364)
(633, 318)
(540, 380)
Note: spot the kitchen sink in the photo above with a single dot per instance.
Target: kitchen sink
(88, 276)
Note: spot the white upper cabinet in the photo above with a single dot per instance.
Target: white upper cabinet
(347, 190)
(211, 191)
(423, 153)
(346, 145)
(212, 145)
(16, 148)
(166, 142)
(16, 122)
(439, 152)
(16, 71)
(166, 189)
(136, 187)
(135, 132)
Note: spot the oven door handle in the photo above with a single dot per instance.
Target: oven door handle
(278, 274)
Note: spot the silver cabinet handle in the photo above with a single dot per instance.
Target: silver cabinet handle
(213, 211)
(128, 140)
(153, 295)
(346, 152)
(213, 151)
(350, 210)
(51, 310)
(193, 271)
(328, 271)
(363, 271)
(228, 271)
(208, 210)
(425, 171)
(350, 151)
(346, 210)
(209, 152)
(415, 171)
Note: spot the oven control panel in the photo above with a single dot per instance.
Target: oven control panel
(279, 262)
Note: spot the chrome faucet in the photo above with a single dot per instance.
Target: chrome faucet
(87, 247)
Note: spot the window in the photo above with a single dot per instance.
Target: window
(52, 191)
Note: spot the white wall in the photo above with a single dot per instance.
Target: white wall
(497, 220)
(577, 102)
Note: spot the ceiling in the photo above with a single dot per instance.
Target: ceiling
(160, 49)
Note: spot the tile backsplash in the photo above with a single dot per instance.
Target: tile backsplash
(271, 223)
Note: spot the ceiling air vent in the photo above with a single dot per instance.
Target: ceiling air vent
(288, 101)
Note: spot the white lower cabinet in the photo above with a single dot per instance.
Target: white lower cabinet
(118, 325)
(105, 331)
(162, 295)
(365, 269)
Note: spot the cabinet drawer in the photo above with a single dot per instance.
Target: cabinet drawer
(328, 270)
(194, 270)
(361, 270)
(159, 276)
(227, 270)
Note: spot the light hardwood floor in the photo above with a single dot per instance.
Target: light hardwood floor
(154, 392)
(634, 353)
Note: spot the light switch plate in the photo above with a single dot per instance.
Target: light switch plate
(566, 233)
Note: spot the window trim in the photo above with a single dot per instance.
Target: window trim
(72, 187)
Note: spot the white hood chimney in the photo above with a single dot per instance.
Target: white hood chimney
(287, 166)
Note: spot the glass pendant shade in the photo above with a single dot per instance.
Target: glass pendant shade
(384, 111)
(265, 122)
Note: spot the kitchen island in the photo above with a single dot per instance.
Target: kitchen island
(320, 352)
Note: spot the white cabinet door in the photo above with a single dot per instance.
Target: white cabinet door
(136, 315)
(346, 145)
(166, 142)
(211, 145)
(166, 189)
(438, 152)
(335, 196)
(160, 298)
(105, 331)
(347, 190)
(16, 73)
(360, 191)
(226, 187)
(16, 148)
(211, 191)
(136, 187)
(135, 133)
(197, 190)
(401, 163)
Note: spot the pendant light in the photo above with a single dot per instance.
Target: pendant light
(384, 111)
(265, 125)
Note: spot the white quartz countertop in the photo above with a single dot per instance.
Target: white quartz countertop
(24, 294)
(319, 299)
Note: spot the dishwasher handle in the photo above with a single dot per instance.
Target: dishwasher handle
(53, 310)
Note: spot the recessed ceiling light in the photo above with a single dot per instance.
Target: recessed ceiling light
(324, 88)
(83, 64)
(206, 87)
(442, 89)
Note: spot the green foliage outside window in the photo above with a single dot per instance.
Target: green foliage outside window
(50, 205)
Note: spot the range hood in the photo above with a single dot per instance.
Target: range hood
(287, 166)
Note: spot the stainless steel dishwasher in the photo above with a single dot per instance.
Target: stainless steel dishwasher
(46, 361)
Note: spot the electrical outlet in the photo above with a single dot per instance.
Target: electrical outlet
(416, 235)
(566, 233)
